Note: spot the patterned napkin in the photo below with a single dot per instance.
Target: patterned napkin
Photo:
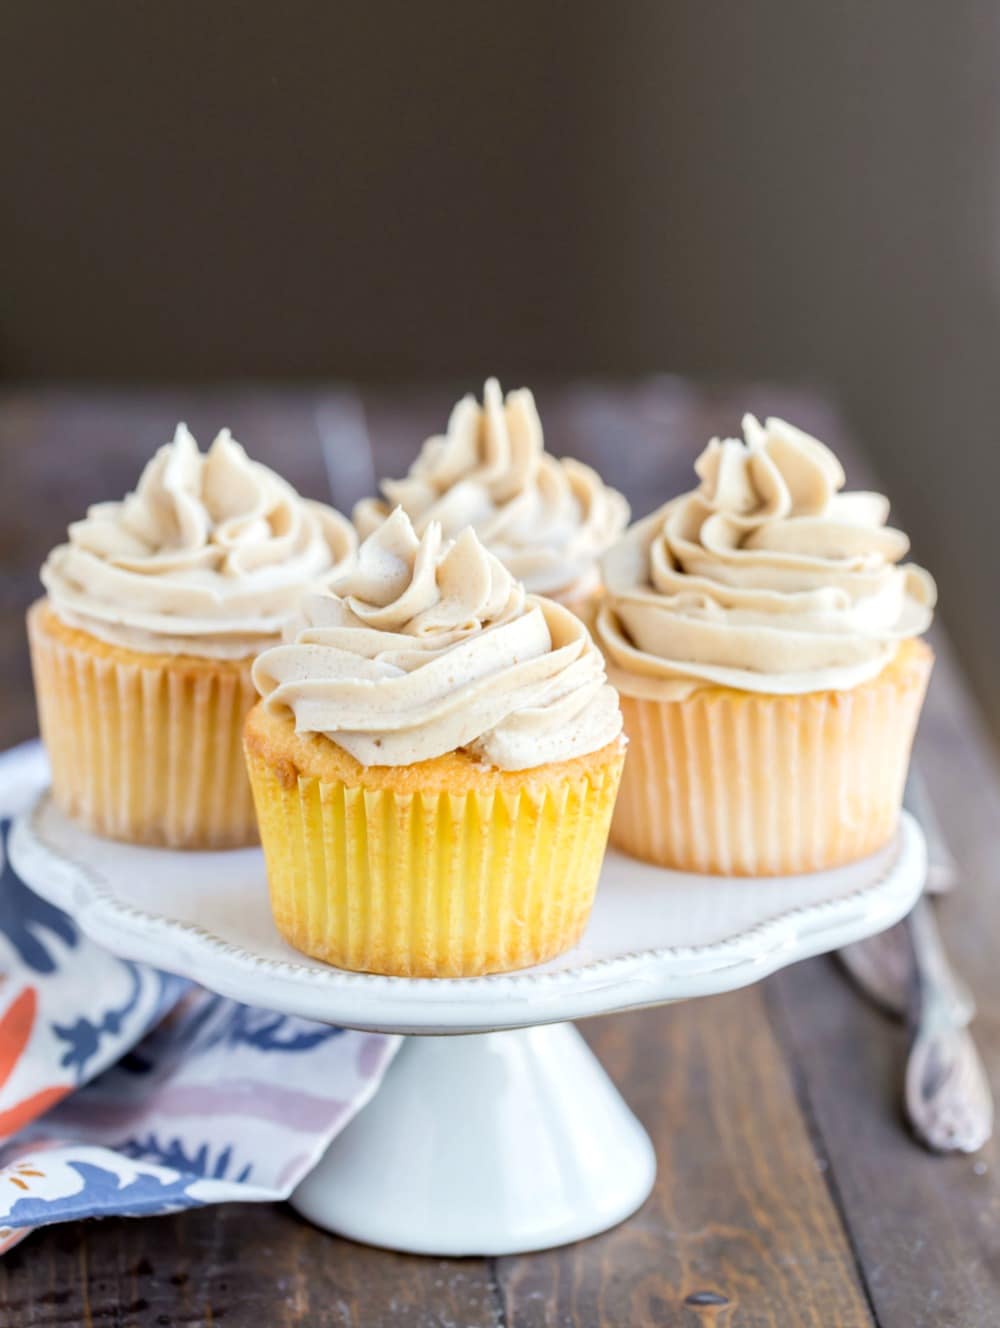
(128, 1091)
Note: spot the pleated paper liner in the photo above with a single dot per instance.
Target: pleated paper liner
(416, 879)
(744, 784)
(144, 748)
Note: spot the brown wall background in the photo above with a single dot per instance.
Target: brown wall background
(314, 189)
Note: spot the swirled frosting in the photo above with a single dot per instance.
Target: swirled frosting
(426, 646)
(209, 556)
(766, 577)
(546, 520)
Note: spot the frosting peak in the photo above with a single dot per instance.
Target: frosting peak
(425, 646)
(547, 520)
(423, 587)
(778, 471)
(498, 446)
(208, 556)
(767, 577)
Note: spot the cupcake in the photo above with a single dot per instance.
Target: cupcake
(763, 633)
(548, 521)
(434, 764)
(141, 650)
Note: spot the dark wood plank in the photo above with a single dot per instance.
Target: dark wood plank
(926, 1228)
(741, 1230)
(234, 1266)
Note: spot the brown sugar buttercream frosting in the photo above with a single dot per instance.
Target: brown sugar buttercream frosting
(547, 520)
(766, 578)
(207, 557)
(426, 646)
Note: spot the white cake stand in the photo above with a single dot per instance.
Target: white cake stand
(492, 1142)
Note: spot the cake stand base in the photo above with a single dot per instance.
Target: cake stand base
(498, 1143)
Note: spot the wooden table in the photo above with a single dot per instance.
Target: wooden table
(789, 1192)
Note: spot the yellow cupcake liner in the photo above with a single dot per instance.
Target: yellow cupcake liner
(143, 749)
(743, 784)
(431, 883)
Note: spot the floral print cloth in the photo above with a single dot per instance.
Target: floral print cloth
(128, 1091)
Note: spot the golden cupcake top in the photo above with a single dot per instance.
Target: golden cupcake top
(547, 520)
(209, 556)
(767, 577)
(425, 645)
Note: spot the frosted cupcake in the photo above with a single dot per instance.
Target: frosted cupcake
(547, 520)
(155, 609)
(763, 632)
(434, 764)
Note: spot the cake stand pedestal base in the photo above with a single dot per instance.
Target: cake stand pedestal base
(491, 1144)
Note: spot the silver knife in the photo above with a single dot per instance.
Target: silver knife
(906, 970)
(947, 1092)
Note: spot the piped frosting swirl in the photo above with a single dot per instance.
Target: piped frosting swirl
(547, 520)
(765, 578)
(426, 646)
(209, 556)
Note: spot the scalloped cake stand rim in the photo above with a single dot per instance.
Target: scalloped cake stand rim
(634, 978)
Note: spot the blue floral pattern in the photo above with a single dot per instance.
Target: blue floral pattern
(174, 1154)
(132, 1092)
(104, 1193)
(25, 918)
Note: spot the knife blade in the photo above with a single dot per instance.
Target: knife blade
(947, 1093)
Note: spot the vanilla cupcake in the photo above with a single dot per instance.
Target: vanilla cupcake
(763, 633)
(141, 650)
(434, 764)
(547, 520)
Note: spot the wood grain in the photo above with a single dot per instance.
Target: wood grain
(926, 1228)
(234, 1266)
(741, 1228)
(788, 1194)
